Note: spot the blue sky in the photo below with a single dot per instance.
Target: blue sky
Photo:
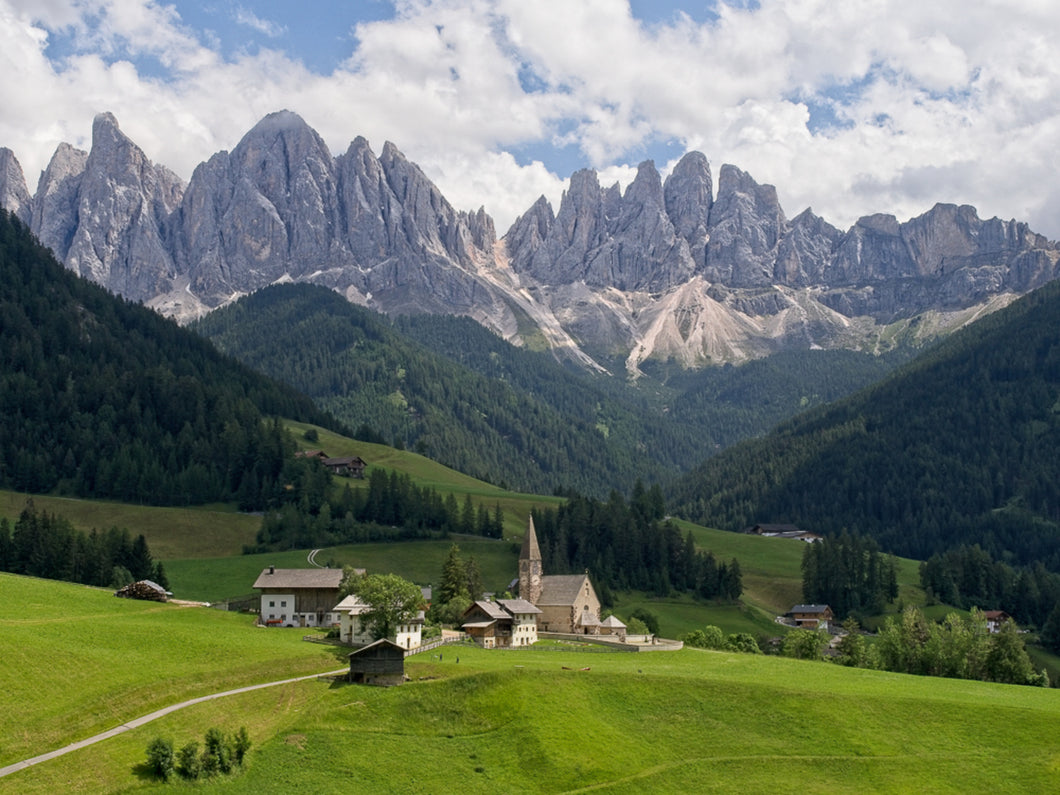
(850, 107)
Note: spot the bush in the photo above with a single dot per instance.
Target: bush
(240, 745)
(216, 757)
(651, 621)
(160, 758)
(189, 763)
(743, 642)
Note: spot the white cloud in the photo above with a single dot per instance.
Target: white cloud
(939, 101)
(244, 16)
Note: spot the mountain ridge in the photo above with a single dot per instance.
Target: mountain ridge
(664, 270)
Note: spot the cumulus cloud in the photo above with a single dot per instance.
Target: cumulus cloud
(854, 107)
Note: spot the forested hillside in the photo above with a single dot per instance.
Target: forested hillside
(103, 398)
(447, 387)
(958, 447)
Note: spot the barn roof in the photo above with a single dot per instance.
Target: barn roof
(298, 579)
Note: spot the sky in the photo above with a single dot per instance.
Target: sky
(850, 107)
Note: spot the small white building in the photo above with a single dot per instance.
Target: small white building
(353, 630)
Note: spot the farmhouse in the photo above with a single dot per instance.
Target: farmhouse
(381, 663)
(812, 616)
(353, 629)
(347, 466)
(783, 531)
(504, 623)
(994, 620)
(298, 597)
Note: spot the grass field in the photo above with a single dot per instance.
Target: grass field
(497, 721)
(216, 579)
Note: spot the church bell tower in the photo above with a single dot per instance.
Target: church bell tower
(530, 567)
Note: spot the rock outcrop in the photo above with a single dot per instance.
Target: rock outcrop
(665, 269)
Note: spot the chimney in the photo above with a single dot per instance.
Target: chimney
(272, 569)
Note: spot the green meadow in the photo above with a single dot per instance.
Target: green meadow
(550, 719)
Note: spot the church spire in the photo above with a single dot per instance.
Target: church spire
(530, 566)
(530, 548)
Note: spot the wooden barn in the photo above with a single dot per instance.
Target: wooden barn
(381, 663)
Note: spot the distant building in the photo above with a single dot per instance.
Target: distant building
(354, 630)
(783, 531)
(352, 466)
(298, 597)
(994, 620)
(812, 616)
(381, 663)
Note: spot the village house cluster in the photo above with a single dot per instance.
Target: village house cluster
(564, 604)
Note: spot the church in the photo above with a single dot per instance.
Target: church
(568, 602)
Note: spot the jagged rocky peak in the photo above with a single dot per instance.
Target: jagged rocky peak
(746, 224)
(689, 199)
(805, 250)
(54, 207)
(642, 251)
(14, 195)
(528, 233)
(123, 201)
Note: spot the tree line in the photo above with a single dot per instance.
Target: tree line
(967, 577)
(390, 507)
(42, 544)
(630, 546)
(849, 574)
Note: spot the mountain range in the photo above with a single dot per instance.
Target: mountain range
(665, 270)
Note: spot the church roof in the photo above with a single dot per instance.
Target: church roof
(561, 589)
(612, 621)
(530, 549)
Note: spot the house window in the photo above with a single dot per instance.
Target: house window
(272, 604)
(283, 603)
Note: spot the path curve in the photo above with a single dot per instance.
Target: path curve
(138, 722)
(311, 558)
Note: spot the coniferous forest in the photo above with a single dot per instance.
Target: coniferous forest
(956, 448)
(452, 390)
(104, 398)
(630, 546)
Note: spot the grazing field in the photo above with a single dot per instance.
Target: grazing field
(201, 532)
(419, 561)
(76, 660)
(555, 719)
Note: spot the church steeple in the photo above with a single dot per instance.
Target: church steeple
(530, 566)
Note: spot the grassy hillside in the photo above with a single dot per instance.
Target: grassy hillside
(77, 661)
(531, 721)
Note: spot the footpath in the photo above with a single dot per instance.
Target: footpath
(134, 724)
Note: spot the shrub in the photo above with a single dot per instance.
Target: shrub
(743, 642)
(189, 763)
(216, 757)
(240, 745)
(160, 758)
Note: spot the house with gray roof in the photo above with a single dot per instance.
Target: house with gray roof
(503, 623)
(298, 597)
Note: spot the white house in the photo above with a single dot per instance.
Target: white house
(298, 597)
(354, 630)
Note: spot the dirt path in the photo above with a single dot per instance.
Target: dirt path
(138, 722)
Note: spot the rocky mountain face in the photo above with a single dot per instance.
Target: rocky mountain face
(665, 269)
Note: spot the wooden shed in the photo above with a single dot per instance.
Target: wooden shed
(381, 663)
